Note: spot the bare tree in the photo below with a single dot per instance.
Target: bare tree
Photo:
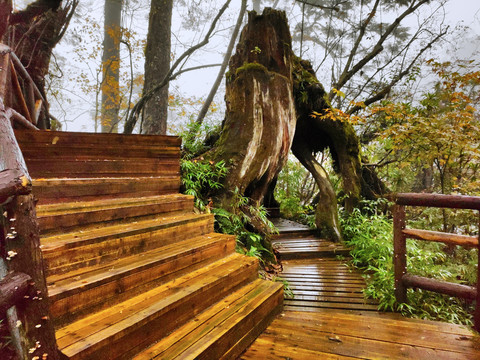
(157, 65)
(111, 65)
(221, 72)
(175, 70)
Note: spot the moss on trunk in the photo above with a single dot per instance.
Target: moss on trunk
(270, 97)
(260, 120)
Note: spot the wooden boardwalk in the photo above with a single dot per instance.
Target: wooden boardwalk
(329, 319)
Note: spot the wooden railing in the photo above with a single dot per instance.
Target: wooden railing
(404, 280)
(23, 291)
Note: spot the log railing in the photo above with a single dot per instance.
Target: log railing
(404, 280)
(23, 291)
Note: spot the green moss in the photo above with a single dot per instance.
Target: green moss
(251, 66)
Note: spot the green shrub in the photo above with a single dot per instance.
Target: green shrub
(237, 223)
(201, 177)
(370, 233)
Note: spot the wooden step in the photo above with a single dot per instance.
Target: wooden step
(78, 293)
(56, 190)
(126, 328)
(63, 145)
(68, 252)
(294, 234)
(307, 247)
(225, 329)
(84, 167)
(93, 139)
(61, 217)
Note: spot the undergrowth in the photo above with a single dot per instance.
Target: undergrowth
(202, 178)
(370, 233)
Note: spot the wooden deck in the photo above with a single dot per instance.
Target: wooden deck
(324, 283)
(329, 319)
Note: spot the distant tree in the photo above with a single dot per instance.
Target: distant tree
(111, 65)
(256, 5)
(441, 133)
(176, 69)
(157, 65)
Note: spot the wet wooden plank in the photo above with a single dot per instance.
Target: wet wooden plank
(66, 138)
(67, 190)
(330, 333)
(80, 293)
(140, 320)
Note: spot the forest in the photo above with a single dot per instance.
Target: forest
(321, 108)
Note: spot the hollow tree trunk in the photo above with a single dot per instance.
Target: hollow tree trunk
(321, 133)
(270, 95)
(260, 120)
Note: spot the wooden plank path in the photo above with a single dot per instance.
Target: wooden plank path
(329, 319)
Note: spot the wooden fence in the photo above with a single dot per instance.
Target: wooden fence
(23, 291)
(404, 280)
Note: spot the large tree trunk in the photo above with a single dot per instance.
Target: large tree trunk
(260, 120)
(33, 33)
(157, 65)
(271, 94)
(111, 66)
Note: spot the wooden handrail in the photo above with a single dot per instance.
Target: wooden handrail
(446, 238)
(13, 289)
(22, 105)
(20, 235)
(438, 200)
(13, 183)
(403, 280)
(443, 287)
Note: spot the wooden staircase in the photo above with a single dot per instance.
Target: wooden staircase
(132, 271)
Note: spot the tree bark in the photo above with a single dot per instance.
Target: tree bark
(326, 213)
(320, 133)
(260, 119)
(111, 66)
(157, 65)
(32, 34)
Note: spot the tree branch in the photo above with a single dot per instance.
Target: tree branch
(347, 74)
(384, 92)
(213, 91)
(132, 120)
(334, 8)
(361, 33)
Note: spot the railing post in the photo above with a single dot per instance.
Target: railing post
(399, 252)
(476, 317)
(24, 255)
(32, 329)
